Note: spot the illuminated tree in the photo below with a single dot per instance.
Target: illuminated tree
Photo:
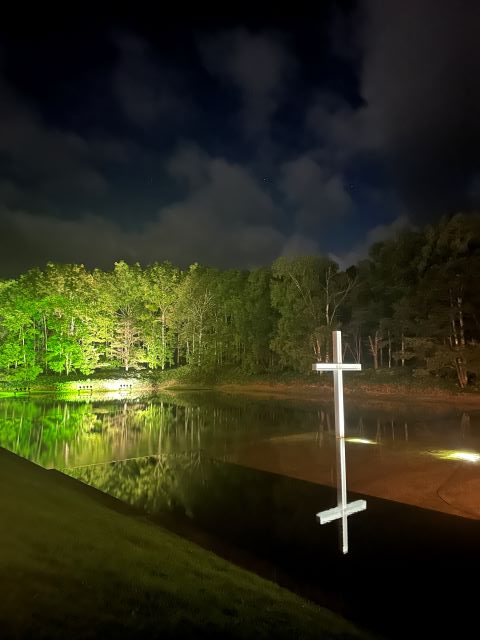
(127, 344)
(414, 301)
(160, 293)
(18, 333)
(308, 293)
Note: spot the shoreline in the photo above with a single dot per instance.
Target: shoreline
(372, 393)
(300, 389)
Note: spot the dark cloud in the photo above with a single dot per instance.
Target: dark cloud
(225, 217)
(378, 233)
(258, 65)
(60, 171)
(147, 89)
(342, 131)
(191, 165)
(418, 102)
(29, 240)
(420, 82)
(40, 162)
(226, 220)
(233, 145)
(318, 195)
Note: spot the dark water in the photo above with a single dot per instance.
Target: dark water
(408, 572)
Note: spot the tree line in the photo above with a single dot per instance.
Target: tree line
(414, 302)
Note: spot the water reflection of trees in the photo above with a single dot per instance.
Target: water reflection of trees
(391, 429)
(43, 432)
(153, 483)
(60, 432)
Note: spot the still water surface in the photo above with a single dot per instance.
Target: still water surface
(408, 453)
(70, 432)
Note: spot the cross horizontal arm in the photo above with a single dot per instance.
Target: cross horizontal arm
(337, 512)
(332, 366)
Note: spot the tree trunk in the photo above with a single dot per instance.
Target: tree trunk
(453, 322)
(163, 340)
(327, 351)
(461, 372)
(460, 320)
(374, 344)
(357, 350)
(45, 342)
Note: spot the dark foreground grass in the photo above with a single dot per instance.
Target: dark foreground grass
(72, 567)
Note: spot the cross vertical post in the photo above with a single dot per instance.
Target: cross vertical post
(343, 508)
(340, 435)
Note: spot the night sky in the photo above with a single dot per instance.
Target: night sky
(232, 140)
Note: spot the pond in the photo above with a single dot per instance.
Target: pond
(418, 454)
(245, 476)
(61, 432)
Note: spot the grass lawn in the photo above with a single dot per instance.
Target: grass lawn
(73, 567)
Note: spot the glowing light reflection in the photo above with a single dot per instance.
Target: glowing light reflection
(360, 440)
(467, 456)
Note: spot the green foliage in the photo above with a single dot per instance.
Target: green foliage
(416, 288)
(308, 293)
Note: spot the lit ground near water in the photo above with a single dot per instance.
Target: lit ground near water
(73, 566)
(410, 477)
(419, 479)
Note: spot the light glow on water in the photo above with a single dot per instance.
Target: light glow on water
(360, 440)
(467, 456)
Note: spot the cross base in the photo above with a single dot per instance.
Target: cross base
(338, 512)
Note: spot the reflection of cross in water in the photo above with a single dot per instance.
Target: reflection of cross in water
(343, 508)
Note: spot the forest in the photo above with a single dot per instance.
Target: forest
(414, 303)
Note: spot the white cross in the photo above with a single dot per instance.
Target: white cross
(343, 508)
